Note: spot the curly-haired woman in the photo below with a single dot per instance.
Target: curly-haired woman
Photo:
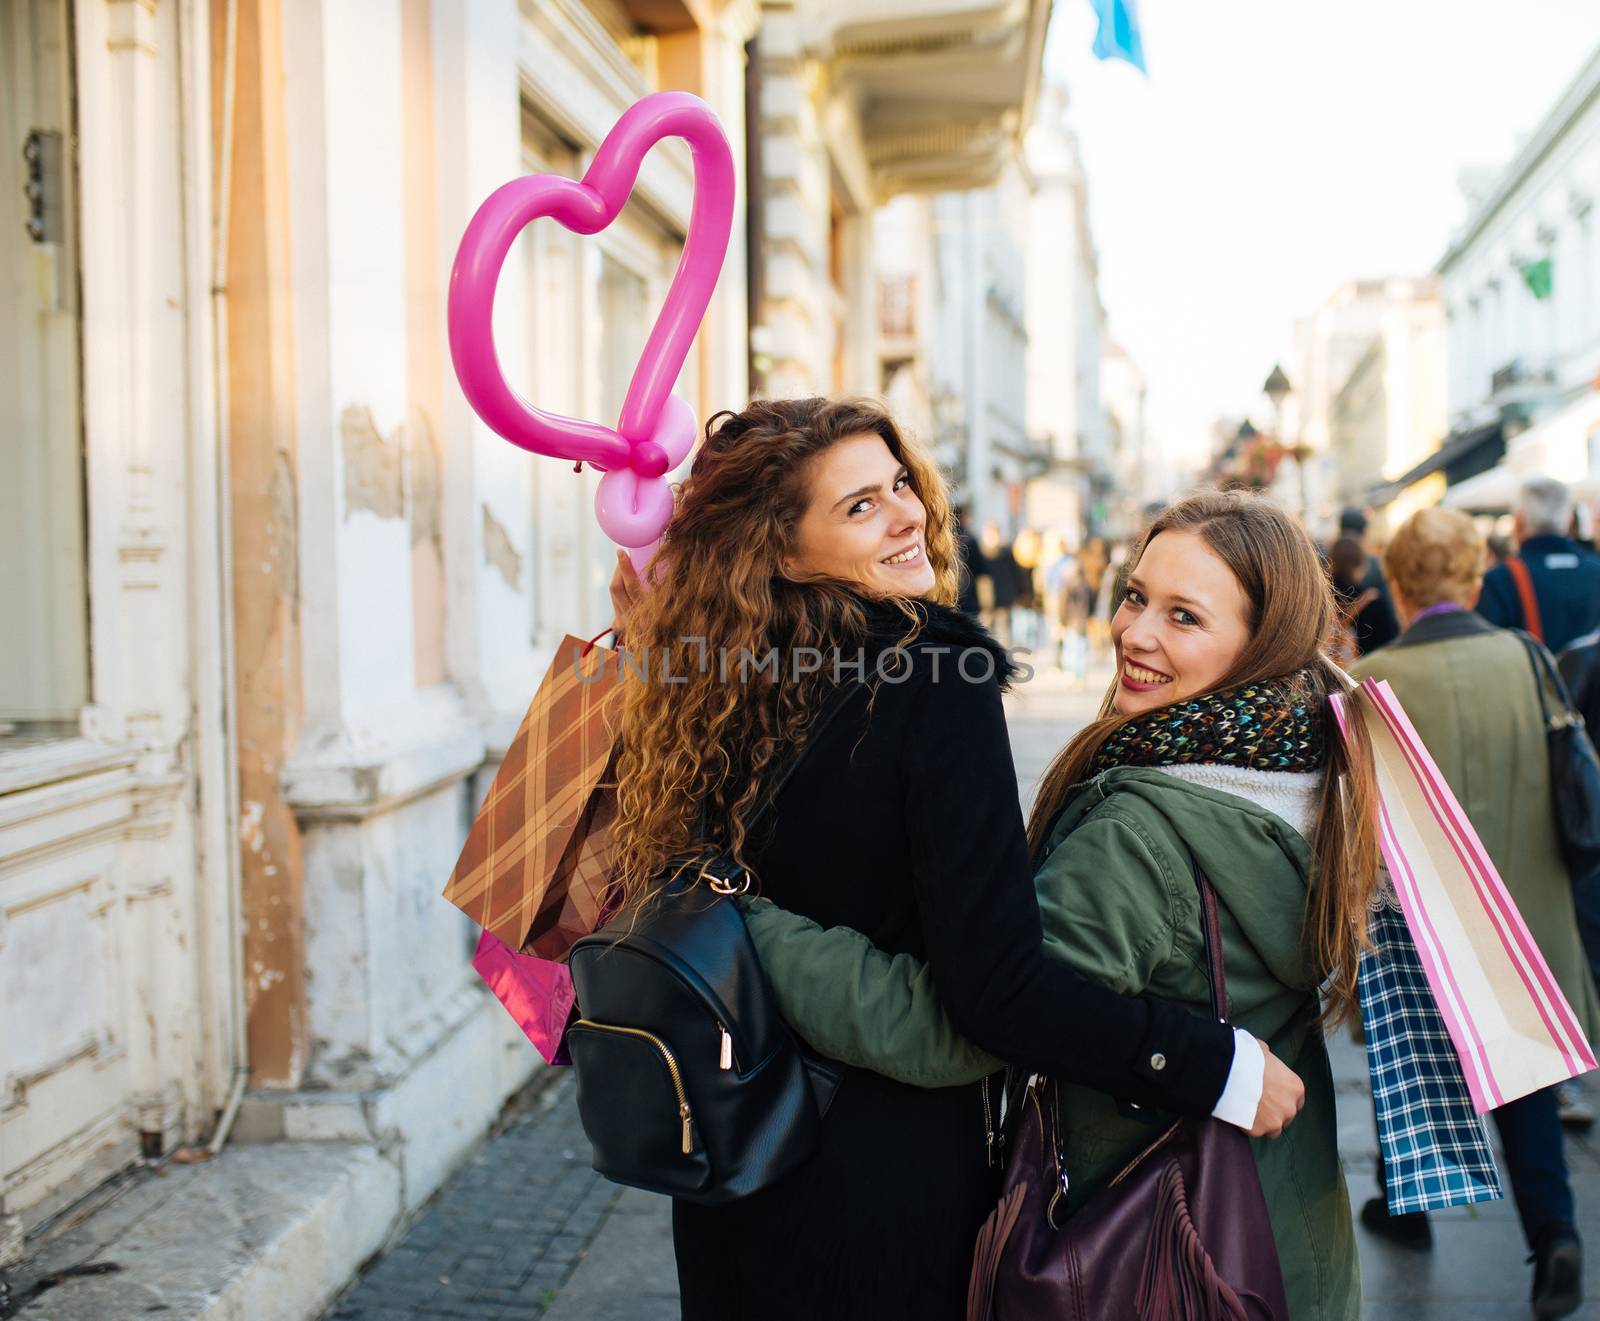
(1216, 749)
(813, 531)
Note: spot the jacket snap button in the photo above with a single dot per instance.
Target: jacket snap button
(1158, 1061)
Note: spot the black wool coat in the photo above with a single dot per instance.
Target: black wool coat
(904, 822)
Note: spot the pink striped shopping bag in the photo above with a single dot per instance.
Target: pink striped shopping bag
(1511, 1026)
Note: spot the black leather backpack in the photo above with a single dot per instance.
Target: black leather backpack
(689, 1081)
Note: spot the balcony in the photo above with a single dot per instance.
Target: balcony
(1521, 387)
(897, 316)
(945, 87)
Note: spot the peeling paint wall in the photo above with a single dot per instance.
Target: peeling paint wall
(282, 565)
(427, 551)
(374, 465)
(498, 552)
(265, 529)
(425, 366)
(426, 494)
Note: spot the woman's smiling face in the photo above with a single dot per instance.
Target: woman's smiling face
(863, 522)
(1183, 623)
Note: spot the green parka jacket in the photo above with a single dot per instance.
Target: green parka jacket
(1119, 902)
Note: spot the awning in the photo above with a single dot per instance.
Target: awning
(1492, 492)
(1463, 455)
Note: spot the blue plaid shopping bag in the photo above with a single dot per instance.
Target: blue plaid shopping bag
(1434, 1147)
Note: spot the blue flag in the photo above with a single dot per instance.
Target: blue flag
(1118, 37)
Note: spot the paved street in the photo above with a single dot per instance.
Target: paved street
(526, 1230)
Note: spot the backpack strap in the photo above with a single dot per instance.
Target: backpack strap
(722, 873)
(1530, 603)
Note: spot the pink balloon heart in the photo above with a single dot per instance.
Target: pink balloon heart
(655, 430)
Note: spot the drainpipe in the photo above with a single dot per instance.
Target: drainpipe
(755, 209)
(239, 1039)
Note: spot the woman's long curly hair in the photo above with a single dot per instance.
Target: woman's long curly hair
(703, 719)
(1292, 615)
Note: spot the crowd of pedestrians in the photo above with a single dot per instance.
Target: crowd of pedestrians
(1439, 619)
(1040, 592)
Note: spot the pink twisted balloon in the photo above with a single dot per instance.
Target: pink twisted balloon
(633, 503)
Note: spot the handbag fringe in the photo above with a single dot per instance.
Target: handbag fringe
(991, 1244)
(1179, 1281)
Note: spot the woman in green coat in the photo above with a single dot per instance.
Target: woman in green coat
(1469, 688)
(1216, 750)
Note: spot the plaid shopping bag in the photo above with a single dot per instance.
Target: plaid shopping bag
(1434, 1148)
(536, 866)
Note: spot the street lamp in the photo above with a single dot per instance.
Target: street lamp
(1277, 389)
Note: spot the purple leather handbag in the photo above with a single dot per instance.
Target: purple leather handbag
(1180, 1234)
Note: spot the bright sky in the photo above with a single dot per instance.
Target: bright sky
(1280, 146)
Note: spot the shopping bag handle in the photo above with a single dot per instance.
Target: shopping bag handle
(1345, 681)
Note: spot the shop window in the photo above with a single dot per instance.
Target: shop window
(43, 596)
(623, 324)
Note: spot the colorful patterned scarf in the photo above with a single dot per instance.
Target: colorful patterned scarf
(1267, 726)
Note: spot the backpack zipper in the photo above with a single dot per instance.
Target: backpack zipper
(725, 1057)
(671, 1062)
(988, 1124)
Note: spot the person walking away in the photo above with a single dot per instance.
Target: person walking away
(1077, 604)
(1003, 576)
(1094, 560)
(1551, 587)
(1055, 564)
(1579, 663)
(1365, 616)
(1469, 690)
(1377, 625)
(1026, 551)
(972, 564)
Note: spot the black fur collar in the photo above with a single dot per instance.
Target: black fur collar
(938, 626)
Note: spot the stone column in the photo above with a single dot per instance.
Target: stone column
(263, 461)
(401, 1041)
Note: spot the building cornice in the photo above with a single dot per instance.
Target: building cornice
(1575, 101)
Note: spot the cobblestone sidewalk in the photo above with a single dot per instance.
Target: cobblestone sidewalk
(527, 1230)
(501, 1239)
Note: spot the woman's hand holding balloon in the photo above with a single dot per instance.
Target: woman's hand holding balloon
(626, 589)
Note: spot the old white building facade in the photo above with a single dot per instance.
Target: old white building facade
(286, 598)
(1521, 284)
(280, 599)
(119, 962)
(857, 104)
(1066, 327)
(1389, 412)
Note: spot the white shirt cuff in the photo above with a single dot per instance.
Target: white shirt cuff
(1241, 1098)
